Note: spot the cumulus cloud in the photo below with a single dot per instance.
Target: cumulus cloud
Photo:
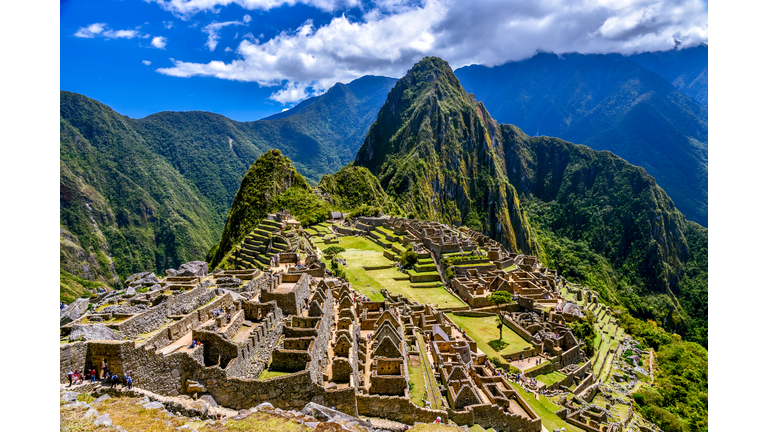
(146, 62)
(394, 34)
(159, 42)
(186, 8)
(214, 28)
(168, 24)
(102, 30)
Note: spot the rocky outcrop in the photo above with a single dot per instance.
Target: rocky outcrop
(93, 332)
(73, 311)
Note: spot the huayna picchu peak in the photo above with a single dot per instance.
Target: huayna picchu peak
(457, 270)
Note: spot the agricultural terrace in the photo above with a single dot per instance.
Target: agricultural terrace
(360, 251)
(484, 331)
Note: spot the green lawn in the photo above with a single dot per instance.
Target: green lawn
(361, 251)
(483, 330)
(545, 409)
(551, 378)
(419, 391)
(267, 374)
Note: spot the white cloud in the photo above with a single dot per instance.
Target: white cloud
(146, 62)
(159, 42)
(101, 30)
(168, 24)
(186, 8)
(213, 29)
(227, 49)
(91, 31)
(395, 34)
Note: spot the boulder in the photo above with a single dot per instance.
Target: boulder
(155, 287)
(73, 311)
(195, 387)
(153, 405)
(101, 399)
(265, 406)
(150, 279)
(93, 332)
(69, 396)
(136, 276)
(91, 413)
(228, 282)
(209, 400)
(103, 420)
(130, 291)
(171, 272)
(194, 268)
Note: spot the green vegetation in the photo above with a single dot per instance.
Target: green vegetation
(484, 331)
(416, 385)
(333, 250)
(271, 184)
(356, 190)
(71, 287)
(426, 171)
(678, 399)
(408, 258)
(267, 374)
(499, 298)
(607, 105)
(551, 378)
(584, 330)
(123, 207)
(545, 409)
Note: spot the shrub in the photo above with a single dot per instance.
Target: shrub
(333, 250)
(409, 258)
(142, 290)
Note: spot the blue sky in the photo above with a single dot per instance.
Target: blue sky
(247, 59)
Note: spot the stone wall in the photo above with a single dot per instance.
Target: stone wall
(186, 302)
(183, 326)
(396, 408)
(491, 416)
(72, 358)
(144, 322)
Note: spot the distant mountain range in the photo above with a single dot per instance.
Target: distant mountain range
(152, 193)
(612, 103)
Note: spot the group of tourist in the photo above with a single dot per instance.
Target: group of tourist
(195, 343)
(78, 377)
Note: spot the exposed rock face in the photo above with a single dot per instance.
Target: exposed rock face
(93, 332)
(73, 311)
(193, 268)
(228, 282)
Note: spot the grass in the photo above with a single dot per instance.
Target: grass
(545, 409)
(419, 392)
(128, 413)
(551, 378)
(483, 330)
(361, 252)
(267, 374)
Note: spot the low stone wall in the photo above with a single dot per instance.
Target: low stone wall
(523, 333)
(381, 267)
(589, 380)
(348, 231)
(396, 408)
(475, 314)
(424, 278)
(144, 322)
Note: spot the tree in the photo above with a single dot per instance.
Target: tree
(499, 325)
(499, 298)
(409, 258)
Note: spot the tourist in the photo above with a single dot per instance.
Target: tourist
(114, 381)
(129, 381)
(104, 368)
(93, 375)
(69, 375)
(437, 420)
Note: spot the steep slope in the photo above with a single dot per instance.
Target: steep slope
(355, 188)
(607, 105)
(166, 182)
(686, 69)
(271, 184)
(123, 209)
(595, 217)
(436, 151)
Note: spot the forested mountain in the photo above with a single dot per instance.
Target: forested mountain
(123, 208)
(270, 184)
(607, 105)
(439, 154)
(687, 69)
(152, 193)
